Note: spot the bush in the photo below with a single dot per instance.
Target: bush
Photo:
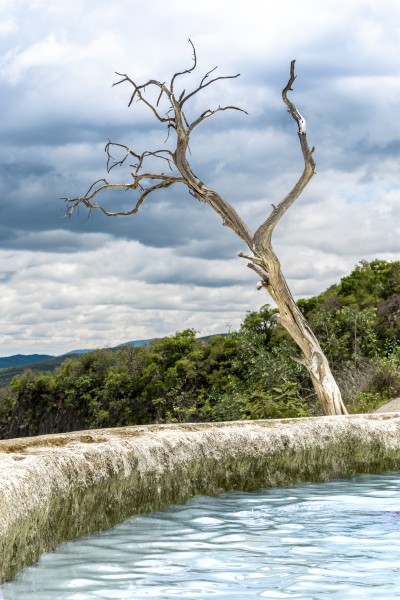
(248, 374)
(386, 379)
(365, 402)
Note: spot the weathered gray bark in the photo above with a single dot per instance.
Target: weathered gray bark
(290, 316)
(263, 259)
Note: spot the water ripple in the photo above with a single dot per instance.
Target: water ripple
(338, 540)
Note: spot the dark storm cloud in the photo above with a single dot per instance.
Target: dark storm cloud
(63, 131)
(249, 169)
(184, 224)
(57, 64)
(50, 241)
(199, 278)
(14, 171)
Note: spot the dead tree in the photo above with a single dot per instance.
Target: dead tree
(262, 259)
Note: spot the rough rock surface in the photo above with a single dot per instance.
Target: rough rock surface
(392, 406)
(59, 487)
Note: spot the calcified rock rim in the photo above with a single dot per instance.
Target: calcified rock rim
(59, 487)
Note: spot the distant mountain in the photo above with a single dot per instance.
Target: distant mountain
(16, 364)
(7, 374)
(22, 359)
(17, 360)
(135, 343)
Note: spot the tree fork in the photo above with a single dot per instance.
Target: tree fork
(291, 317)
(264, 260)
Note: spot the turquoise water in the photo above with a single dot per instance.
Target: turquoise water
(336, 540)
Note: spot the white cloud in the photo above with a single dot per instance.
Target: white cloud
(52, 51)
(102, 297)
(7, 26)
(68, 284)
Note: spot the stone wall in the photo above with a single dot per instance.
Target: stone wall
(58, 487)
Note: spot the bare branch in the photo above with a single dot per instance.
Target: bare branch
(138, 93)
(204, 85)
(208, 113)
(165, 181)
(254, 259)
(264, 261)
(160, 95)
(207, 74)
(301, 122)
(113, 162)
(300, 360)
(262, 237)
(176, 119)
(186, 70)
(261, 272)
(88, 193)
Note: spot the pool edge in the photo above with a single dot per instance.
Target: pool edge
(62, 486)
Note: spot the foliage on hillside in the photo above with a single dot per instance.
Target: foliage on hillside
(247, 374)
(8, 373)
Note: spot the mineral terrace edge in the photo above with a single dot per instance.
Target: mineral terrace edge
(59, 487)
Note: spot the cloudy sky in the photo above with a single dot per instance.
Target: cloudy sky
(84, 283)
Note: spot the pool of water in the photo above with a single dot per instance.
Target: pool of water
(336, 540)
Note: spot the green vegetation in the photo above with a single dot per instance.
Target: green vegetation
(8, 373)
(248, 374)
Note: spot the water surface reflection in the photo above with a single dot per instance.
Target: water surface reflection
(337, 540)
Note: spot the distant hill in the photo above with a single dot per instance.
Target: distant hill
(18, 363)
(135, 343)
(17, 360)
(50, 364)
(22, 359)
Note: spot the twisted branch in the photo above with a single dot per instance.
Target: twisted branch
(263, 235)
(178, 164)
(262, 260)
(113, 162)
(209, 113)
(142, 98)
(165, 182)
(177, 161)
(204, 85)
(186, 70)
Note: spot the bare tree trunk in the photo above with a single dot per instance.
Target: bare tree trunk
(291, 318)
(263, 259)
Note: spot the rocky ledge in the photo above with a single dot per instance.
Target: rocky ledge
(58, 487)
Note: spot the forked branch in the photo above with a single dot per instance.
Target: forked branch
(262, 259)
(263, 235)
(139, 92)
(209, 113)
(114, 162)
(186, 71)
(165, 181)
(204, 85)
(176, 160)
